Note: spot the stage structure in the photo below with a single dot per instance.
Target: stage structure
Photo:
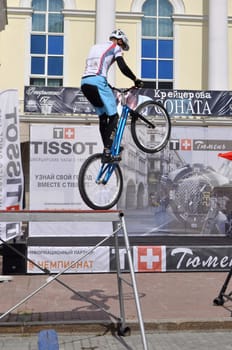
(118, 221)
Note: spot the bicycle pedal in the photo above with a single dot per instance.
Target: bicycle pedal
(116, 159)
(111, 159)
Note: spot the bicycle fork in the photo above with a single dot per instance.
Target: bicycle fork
(135, 114)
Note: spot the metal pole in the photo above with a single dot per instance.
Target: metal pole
(144, 341)
(120, 289)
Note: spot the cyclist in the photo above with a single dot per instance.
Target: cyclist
(95, 87)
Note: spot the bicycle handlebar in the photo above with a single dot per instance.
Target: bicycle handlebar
(123, 90)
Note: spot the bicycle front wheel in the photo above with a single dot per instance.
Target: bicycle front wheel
(150, 127)
(97, 192)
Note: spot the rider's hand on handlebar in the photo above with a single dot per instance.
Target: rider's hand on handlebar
(138, 83)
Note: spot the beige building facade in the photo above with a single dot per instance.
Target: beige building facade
(191, 45)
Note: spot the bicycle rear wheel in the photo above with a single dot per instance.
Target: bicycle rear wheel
(94, 191)
(150, 127)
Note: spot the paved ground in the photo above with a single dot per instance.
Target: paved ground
(155, 341)
(177, 309)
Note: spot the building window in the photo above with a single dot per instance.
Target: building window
(157, 44)
(47, 43)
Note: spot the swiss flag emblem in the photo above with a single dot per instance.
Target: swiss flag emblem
(150, 258)
(69, 133)
(186, 144)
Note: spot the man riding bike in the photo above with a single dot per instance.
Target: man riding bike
(95, 87)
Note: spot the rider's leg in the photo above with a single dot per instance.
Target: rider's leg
(111, 129)
(110, 134)
(103, 124)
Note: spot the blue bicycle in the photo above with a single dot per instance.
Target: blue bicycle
(101, 184)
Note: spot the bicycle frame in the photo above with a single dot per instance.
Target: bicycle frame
(108, 168)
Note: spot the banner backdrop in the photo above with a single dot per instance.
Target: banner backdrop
(11, 173)
(183, 191)
(146, 258)
(56, 154)
(47, 100)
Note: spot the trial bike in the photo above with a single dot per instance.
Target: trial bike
(101, 184)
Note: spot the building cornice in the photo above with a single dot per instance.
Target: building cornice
(130, 15)
(19, 11)
(189, 18)
(78, 13)
(194, 18)
(93, 119)
(92, 14)
(60, 119)
(119, 15)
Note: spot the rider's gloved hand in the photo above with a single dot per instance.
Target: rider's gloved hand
(138, 83)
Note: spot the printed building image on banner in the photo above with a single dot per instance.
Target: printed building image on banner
(185, 189)
(47, 100)
(56, 155)
(11, 172)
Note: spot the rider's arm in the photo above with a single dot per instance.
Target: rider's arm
(124, 68)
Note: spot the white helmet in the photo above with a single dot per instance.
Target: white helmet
(119, 34)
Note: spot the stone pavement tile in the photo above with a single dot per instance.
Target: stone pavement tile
(99, 341)
(172, 298)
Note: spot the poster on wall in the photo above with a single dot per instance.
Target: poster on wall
(56, 155)
(68, 100)
(188, 186)
(11, 172)
(146, 258)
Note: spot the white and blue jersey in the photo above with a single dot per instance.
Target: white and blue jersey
(98, 62)
(100, 58)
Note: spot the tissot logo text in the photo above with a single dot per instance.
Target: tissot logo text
(64, 133)
(174, 145)
(150, 258)
(57, 147)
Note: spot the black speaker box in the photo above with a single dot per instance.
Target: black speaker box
(14, 260)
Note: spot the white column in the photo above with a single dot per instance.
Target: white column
(105, 24)
(105, 19)
(218, 45)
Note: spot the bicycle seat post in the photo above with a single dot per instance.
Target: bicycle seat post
(123, 97)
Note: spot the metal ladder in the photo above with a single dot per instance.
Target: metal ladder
(118, 220)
